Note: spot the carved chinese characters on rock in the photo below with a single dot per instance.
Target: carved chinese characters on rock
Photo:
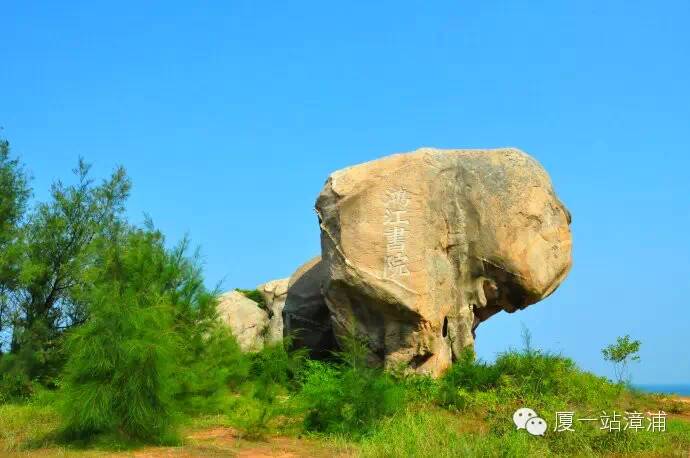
(396, 228)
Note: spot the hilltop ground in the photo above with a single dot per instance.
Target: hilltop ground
(466, 413)
(203, 440)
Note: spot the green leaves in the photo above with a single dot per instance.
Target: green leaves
(623, 349)
(55, 250)
(120, 372)
(14, 193)
(621, 354)
(151, 347)
(348, 397)
(131, 318)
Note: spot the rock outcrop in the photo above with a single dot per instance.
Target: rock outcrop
(274, 293)
(247, 321)
(419, 248)
(305, 316)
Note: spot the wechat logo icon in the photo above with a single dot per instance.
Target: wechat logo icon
(525, 418)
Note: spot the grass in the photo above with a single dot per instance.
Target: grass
(437, 433)
(256, 296)
(27, 426)
(434, 433)
(344, 408)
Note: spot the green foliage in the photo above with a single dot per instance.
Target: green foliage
(212, 367)
(465, 375)
(14, 192)
(621, 354)
(211, 358)
(15, 384)
(276, 366)
(152, 346)
(539, 378)
(348, 397)
(533, 375)
(488, 394)
(273, 374)
(433, 433)
(420, 389)
(591, 440)
(415, 425)
(58, 244)
(542, 380)
(143, 341)
(144, 348)
(119, 377)
(254, 295)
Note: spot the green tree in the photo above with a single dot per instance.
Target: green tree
(57, 247)
(14, 193)
(621, 354)
(75, 256)
(347, 396)
(208, 352)
(120, 374)
(151, 346)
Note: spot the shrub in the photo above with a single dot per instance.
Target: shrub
(152, 346)
(348, 397)
(465, 375)
(208, 352)
(15, 384)
(273, 373)
(119, 377)
(276, 367)
(543, 377)
(536, 373)
(546, 382)
(420, 389)
(211, 370)
(254, 295)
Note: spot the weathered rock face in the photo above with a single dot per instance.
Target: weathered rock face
(305, 315)
(247, 321)
(420, 248)
(274, 293)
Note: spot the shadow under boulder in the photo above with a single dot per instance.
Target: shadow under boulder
(306, 317)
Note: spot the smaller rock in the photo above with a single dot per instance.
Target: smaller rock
(274, 293)
(305, 314)
(247, 321)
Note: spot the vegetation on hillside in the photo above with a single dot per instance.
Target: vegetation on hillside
(103, 313)
(109, 340)
(621, 354)
(255, 295)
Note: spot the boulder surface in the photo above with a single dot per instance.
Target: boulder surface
(306, 317)
(419, 248)
(247, 321)
(274, 293)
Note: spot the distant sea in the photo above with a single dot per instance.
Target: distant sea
(681, 389)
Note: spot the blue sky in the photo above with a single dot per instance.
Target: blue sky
(230, 115)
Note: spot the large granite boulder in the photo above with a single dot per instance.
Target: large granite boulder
(247, 321)
(306, 317)
(419, 248)
(274, 294)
